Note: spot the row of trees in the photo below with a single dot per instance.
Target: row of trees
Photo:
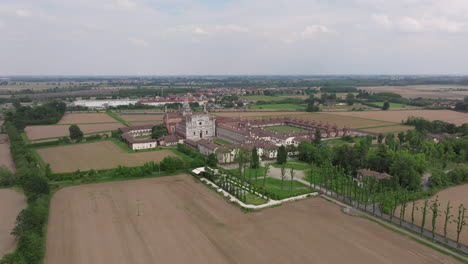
(31, 222)
(436, 126)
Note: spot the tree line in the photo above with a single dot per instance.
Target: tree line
(46, 114)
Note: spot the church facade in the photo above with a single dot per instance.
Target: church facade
(189, 125)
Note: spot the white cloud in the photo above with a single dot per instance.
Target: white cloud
(309, 32)
(199, 31)
(412, 24)
(231, 28)
(139, 42)
(23, 13)
(125, 4)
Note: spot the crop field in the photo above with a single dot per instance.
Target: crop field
(285, 129)
(425, 91)
(140, 123)
(83, 118)
(96, 156)
(55, 131)
(141, 117)
(449, 116)
(393, 105)
(277, 106)
(389, 129)
(11, 203)
(273, 98)
(5, 154)
(456, 195)
(331, 118)
(178, 220)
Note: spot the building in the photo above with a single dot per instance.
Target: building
(363, 173)
(130, 134)
(169, 140)
(189, 125)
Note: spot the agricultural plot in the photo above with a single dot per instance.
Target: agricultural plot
(140, 123)
(277, 106)
(96, 156)
(393, 105)
(388, 129)
(11, 203)
(272, 98)
(456, 195)
(457, 118)
(285, 129)
(177, 220)
(55, 131)
(425, 91)
(5, 155)
(141, 117)
(83, 118)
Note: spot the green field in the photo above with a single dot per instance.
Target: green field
(392, 105)
(249, 172)
(285, 129)
(277, 106)
(273, 185)
(220, 141)
(292, 165)
(270, 98)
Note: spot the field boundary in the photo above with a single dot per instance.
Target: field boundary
(118, 118)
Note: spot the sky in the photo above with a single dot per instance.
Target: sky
(233, 37)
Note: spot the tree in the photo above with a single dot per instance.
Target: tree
(282, 155)
(447, 217)
(380, 138)
(75, 133)
(292, 173)
(267, 171)
(283, 175)
(461, 221)
(350, 98)
(435, 214)
(318, 136)
(311, 107)
(255, 161)
(424, 214)
(158, 131)
(386, 106)
(212, 161)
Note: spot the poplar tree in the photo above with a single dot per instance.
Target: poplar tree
(447, 218)
(461, 222)
(435, 214)
(423, 223)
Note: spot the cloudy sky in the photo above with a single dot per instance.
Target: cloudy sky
(160, 37)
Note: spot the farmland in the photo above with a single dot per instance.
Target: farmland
(456, 118)
(83, 118)
(5, 155)
(456, 195)
(96, 156)
(425, 91)
(11, 203)
(141, 117)
(55, 131)
(388, 129)
(272, 98)
(277, 106)
(176, 220)
(392, 105)
(285, 129)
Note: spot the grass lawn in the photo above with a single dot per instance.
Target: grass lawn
(292, 165)
(262, 98)
(220, 141)
(273, 185)
(277, 106)
(336, 142)
(248, 172)
(392, 105)
(285, 129)
(254, 199)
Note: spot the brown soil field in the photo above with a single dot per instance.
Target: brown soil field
(80, 118)
(96, 156)
(425, 91)
(5, 155)
(11, 203)
(449, 116)
(388, 129)
(38, 132)
(178, 220)
(140, 123)
(456, 195)
(148, 117)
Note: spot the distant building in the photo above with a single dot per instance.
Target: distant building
(130, 134)
(363, 173)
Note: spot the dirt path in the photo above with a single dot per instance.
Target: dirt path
(11, 203)
(179, 220)
(5, 154)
